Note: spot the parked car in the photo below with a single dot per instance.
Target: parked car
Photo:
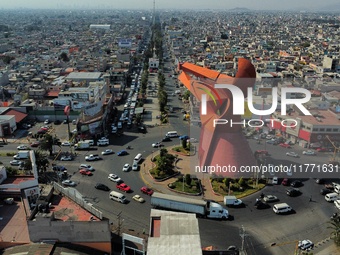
(275, 180)
(296, 183)
(323, 149)
(102, 187)
(122, 153)
(146, 190)
(58, 168)
(68, 183)
(325, 191)
(85, 172)
(293, 192)
(292, 154)
(285, 182)
(126, 168)
(305, 245)
(115, 178)
(123, 187)
(270, 198)
(285, 145)
(107, 152)
(66, 158)
(309, 153)
(138, 198)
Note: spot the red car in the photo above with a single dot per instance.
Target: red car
(322, 149)
(264, 152)
(285, 182)
(35, 144)
(123, 187)
(85, 172)
(284, 145)
(146, 190)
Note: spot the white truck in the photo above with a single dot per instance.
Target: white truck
(232, 201)
(199, 207)
(82, 145)
(22, 155)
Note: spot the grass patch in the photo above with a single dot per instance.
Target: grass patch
(220, 188)
(183, 187)
(7, 154)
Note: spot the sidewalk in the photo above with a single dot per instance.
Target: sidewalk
(183, 165)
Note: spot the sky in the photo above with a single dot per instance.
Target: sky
(169, 4)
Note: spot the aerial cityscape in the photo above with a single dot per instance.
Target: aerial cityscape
(158, 128)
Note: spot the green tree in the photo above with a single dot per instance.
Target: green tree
(242, 182)
(334, 225)
(48, 142)
(186, 95)
(64, 57)
(184, 143)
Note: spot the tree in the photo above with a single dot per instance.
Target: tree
(64, 57)
(242, 182)
(334, 225)
(48, 142)
(184, 143)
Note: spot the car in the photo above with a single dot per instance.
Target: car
(107, 152)
(66, 158)
(285, 182)
(47, 121)
(337, 204)
(58, 168)
(87, 167)
(192, 140)
(184, 137)
(325, 191)
(319, 181)
(296, 183)
(263, 152)
(35, 144)
(293, 192)
(22, 147)
(323, 149)
(166, 139)
(123, 187)
(146, 190)
(122, 153)
(292, 154)
(157, 144)
(305, 245)
(270, 198)
(142, 129)
(126, 168)
(92, 157)
(75, 131)
(309, 153)
(272, 141)
(115, 178)
(68, 183)
(138, 198)
(114, 129)
(134, 166)
(261, 205)
(102, 187)
(84, 171)
(66, 143)
(65, 121)
(15, 162)
(285, 145)
(275, 180)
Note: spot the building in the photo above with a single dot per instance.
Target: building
(100, 26)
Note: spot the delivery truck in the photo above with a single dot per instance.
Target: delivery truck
(22, 155)
(232, 201)
(190, 205)
(82, 145)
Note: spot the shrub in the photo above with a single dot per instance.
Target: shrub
(172, 186)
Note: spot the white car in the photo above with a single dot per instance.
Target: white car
(275, 180)
(22, 147)
(75, 131)
(66, 143)
(337, 204)
(156, 145)
(305, 245)
(126, 168)
(69, 183)
(92, 157)
(270, 198)
(292, 154)
(309, 153)
(138, 198)
(134, 166)
(47, 121)
(15, 162)
(107, 152)
(66, 158)
(114, 178)
(87, 167)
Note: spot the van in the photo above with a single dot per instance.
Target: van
(331, 197)
(171, 134)
(282, 208)
(138, 158)
(91, 142)
(337, 188)
(116, 196)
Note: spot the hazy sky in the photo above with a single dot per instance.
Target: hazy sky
(166, 4)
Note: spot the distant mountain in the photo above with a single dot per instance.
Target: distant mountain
(240, 9)
(329, 8)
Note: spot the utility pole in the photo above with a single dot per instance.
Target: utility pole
(242, 235)
(120, 223)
